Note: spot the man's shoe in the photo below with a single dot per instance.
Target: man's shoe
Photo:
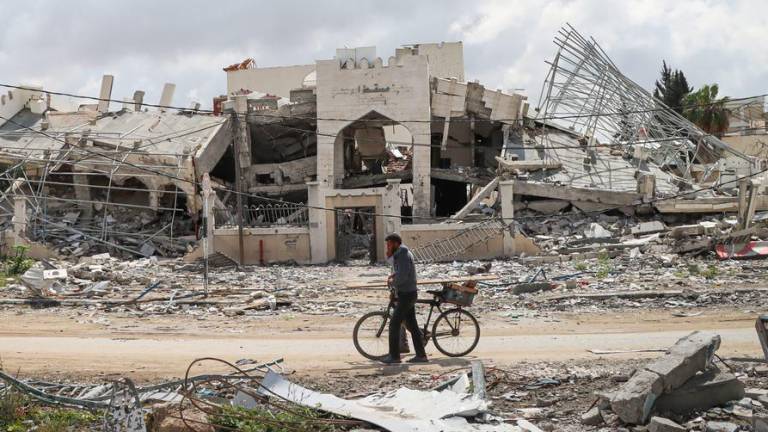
(390, 360)
(419, 359)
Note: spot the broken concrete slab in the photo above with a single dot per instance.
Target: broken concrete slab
(648, 228)
(689, 355)
(596, 231)
(755, 393)
(706, 390)
(661, 424)
(634, 401)
(593, 417)
(529, 287)
(760, 423)
(717, 426)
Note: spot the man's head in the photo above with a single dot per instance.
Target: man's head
(393, 242)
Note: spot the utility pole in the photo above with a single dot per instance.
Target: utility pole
(209, 223)
(242, 150)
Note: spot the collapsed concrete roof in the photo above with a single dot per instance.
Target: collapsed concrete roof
(38, 137)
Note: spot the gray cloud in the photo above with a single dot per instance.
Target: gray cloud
(69, 45)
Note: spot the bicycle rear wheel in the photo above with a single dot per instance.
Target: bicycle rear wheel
(371, 335)
(456, 332)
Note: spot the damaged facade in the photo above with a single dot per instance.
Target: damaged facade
(335, 154)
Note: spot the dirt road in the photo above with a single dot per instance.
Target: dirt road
(45, 343)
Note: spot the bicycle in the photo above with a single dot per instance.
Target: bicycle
(455, 332)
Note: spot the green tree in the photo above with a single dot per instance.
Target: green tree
(704, 109)
(672, 88)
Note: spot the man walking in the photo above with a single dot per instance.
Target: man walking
(403, 283)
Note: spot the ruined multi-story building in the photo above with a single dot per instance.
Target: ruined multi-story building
(315, 163)
(360, 128)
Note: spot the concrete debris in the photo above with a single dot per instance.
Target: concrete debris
(681, 381)
(661, 424)
(652, 227)
(717, 426)
(593, 417)
(596, 231)
(705, 390)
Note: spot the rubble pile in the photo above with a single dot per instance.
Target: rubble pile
(123, 232)
(683, 390)
(574, 232)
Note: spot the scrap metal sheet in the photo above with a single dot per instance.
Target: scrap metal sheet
(403, 410)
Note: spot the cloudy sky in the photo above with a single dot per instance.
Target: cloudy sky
(68, 46)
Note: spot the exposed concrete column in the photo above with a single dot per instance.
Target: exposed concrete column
(391, 207)
(506, 191)
(422, 166)
(318, 236)
(330, 154)
(241, 108)
(105, 93)
(19, 220)
(80, 182)
(166, 98)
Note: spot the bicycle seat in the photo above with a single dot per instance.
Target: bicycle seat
(435, 292)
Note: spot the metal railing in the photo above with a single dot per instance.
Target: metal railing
(265, 215)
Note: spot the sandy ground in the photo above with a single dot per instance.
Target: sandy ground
(55, 343)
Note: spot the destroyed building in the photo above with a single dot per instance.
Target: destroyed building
(315, 163)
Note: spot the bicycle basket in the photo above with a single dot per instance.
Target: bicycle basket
(462, 295)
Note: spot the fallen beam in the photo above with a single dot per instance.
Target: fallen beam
(378, 284)
(481, 195)
(528, 165)
(633, 402)
(570, 193)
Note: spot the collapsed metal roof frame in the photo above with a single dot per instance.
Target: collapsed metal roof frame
(585, 92)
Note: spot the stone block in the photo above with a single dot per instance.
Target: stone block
(760, 423)
(592, 417)
(686, 357)
(661, 424)
(706, 390)
(634, 401)
(648, 228)
(716, 426)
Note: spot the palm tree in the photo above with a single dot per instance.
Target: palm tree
(704, 109)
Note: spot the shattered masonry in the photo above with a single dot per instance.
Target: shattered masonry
(339, 152)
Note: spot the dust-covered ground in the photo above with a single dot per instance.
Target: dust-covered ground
(546, 352)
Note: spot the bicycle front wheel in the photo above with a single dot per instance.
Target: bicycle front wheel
(456, 332)
(371, 336)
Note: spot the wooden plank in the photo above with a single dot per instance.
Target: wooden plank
(569, 193)
(383, 284)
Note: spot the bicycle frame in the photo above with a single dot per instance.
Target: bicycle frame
(434, 303)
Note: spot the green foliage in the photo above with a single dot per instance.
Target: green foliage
(13, 411)
(604, 266)
(580, 266)
(64, 419)
(18, 263)
(711, 272)
(262, 420)
(707, 111)
(672, 88)
(18, 414)
(602, 272)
